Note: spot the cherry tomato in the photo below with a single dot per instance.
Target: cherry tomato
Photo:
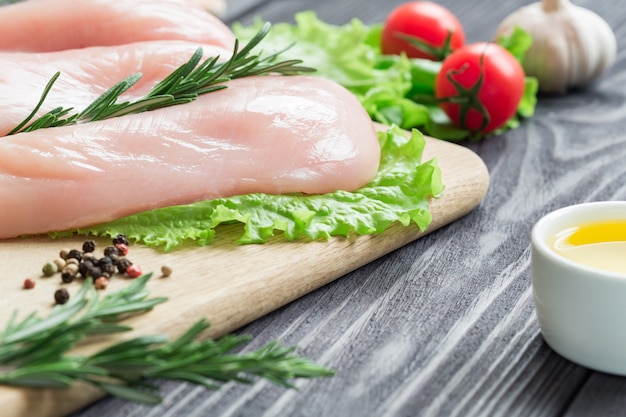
(480, 86)
(426, 22)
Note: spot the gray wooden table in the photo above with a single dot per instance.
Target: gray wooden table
(446, 325)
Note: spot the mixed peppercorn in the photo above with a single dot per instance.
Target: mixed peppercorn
(84, 263)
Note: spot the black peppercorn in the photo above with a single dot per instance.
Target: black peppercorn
(89, 257)
(106, 265)
(89, 246)
(84, 268)
(123, 264)
(75, 254)
(61, 296)
(110, 251)
(68, 276)
(114, 258)
(104, 260)
(94, 272)
(120, 239)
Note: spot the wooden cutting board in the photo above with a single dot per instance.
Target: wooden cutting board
(228, 284)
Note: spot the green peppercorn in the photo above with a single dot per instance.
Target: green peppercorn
(49, 269)
(61, 296)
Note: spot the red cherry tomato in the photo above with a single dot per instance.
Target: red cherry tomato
(480, 86)
(427, 22)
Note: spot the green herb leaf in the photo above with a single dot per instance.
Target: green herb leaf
(41, 359)
(517, 43)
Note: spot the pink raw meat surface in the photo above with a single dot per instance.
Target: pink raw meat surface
(54, 25)
(86, 74)
(270, 134)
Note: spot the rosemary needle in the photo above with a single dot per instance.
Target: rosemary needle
(34, 350)
(185, 84)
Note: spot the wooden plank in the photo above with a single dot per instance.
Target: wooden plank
(230, 285)
(600, 392)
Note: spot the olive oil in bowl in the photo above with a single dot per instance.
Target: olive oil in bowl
(600, 244)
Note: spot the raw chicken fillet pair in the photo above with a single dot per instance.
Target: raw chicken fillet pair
(270, 134)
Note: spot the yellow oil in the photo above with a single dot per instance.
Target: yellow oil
(600, 245)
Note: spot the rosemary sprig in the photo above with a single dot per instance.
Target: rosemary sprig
(34, 350)
(183, 85)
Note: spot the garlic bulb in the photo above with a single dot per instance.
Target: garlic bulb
(571, 45)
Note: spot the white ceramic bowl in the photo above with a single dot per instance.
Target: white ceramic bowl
(581, 310)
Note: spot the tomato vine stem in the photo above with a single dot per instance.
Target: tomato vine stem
(467, 97)
(439, 53)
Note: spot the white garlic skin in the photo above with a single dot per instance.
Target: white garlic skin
(572, 45)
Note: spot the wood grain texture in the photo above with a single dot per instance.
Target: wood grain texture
(231, 285)
(445, 325)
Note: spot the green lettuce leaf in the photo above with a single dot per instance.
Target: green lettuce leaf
(399, 193)
(393, 89)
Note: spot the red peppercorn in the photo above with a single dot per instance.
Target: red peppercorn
(122, 249)
(29, 283)
(101, 283)
(133, 271)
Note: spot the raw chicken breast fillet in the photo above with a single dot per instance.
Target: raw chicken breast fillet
(54, 25)
(272, 134)
(86, 74)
